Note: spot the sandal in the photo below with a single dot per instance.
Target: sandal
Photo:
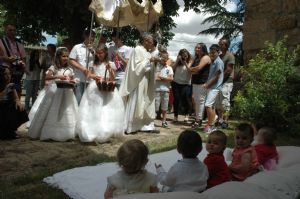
(197, 124)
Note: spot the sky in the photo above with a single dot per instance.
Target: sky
(49, 39)
(188, 27)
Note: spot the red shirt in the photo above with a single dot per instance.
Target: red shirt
(217, 168)
(266, 152)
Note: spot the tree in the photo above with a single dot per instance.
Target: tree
(35, 17)
(70, 17)
(271, 93)
(226, 23)
(2, 18)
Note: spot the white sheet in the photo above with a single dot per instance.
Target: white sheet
(90, 182)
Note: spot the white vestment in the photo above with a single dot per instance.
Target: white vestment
(139, 87)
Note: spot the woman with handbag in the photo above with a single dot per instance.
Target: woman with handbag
(101, 110)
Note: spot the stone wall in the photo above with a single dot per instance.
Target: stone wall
(267, 20)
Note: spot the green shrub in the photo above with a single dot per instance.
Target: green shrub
(271, 84)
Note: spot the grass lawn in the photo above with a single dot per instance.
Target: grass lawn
(30, 186)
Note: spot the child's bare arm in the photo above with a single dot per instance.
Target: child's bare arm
(154, 189)
(109, 192)
(244, 166)
(18, 102)
(169, 78)
(165, 178)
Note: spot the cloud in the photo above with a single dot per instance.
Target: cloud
(231, 6)
(189, 22)
(186, 32)
(188, 41)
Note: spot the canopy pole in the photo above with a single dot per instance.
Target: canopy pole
(118, 28)
(88, 50)
(148, 19)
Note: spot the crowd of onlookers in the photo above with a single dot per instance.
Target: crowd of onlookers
(198, 85)
(76, 101)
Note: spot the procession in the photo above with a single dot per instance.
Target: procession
(95, 92)
(120, 114)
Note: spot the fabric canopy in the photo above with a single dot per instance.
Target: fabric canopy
(119, 13)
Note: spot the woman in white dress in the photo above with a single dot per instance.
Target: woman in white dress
(55, 117)
(101, 113)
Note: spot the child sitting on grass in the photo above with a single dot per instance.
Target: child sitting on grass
(244, 161)
(132, 157)
(189, 173)
(215, 162)
(265, 149)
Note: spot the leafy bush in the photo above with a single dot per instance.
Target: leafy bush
(271, 94)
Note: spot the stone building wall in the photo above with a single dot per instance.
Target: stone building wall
(270, 20)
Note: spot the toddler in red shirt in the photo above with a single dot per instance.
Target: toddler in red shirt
(265, 149)
(215, 162)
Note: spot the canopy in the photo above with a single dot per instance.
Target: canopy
(119, 13)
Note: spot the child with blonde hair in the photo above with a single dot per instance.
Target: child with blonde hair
(189, 173)
(244, 160)
(132, 157)
(265, 149)
(215, 162)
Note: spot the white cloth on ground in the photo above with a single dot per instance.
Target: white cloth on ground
(89, 182)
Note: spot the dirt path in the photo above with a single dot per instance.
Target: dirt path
(24, 156)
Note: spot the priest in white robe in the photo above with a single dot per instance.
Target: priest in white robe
(138, 87)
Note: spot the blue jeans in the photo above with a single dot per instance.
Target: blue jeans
(79, 90)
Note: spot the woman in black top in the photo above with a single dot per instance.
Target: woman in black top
(200, 71)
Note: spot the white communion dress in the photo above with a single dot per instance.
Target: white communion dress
(36, 104)
(56, 116)
(101, 113)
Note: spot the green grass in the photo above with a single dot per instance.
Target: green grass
(31, 186)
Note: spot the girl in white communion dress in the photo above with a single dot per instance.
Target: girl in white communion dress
(101, 113)
(55, 118)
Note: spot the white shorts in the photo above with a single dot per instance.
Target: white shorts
(211, 97)
(223, 99)
(162, 99)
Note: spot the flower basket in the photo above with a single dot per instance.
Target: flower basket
(106, 86)
(65, 84)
